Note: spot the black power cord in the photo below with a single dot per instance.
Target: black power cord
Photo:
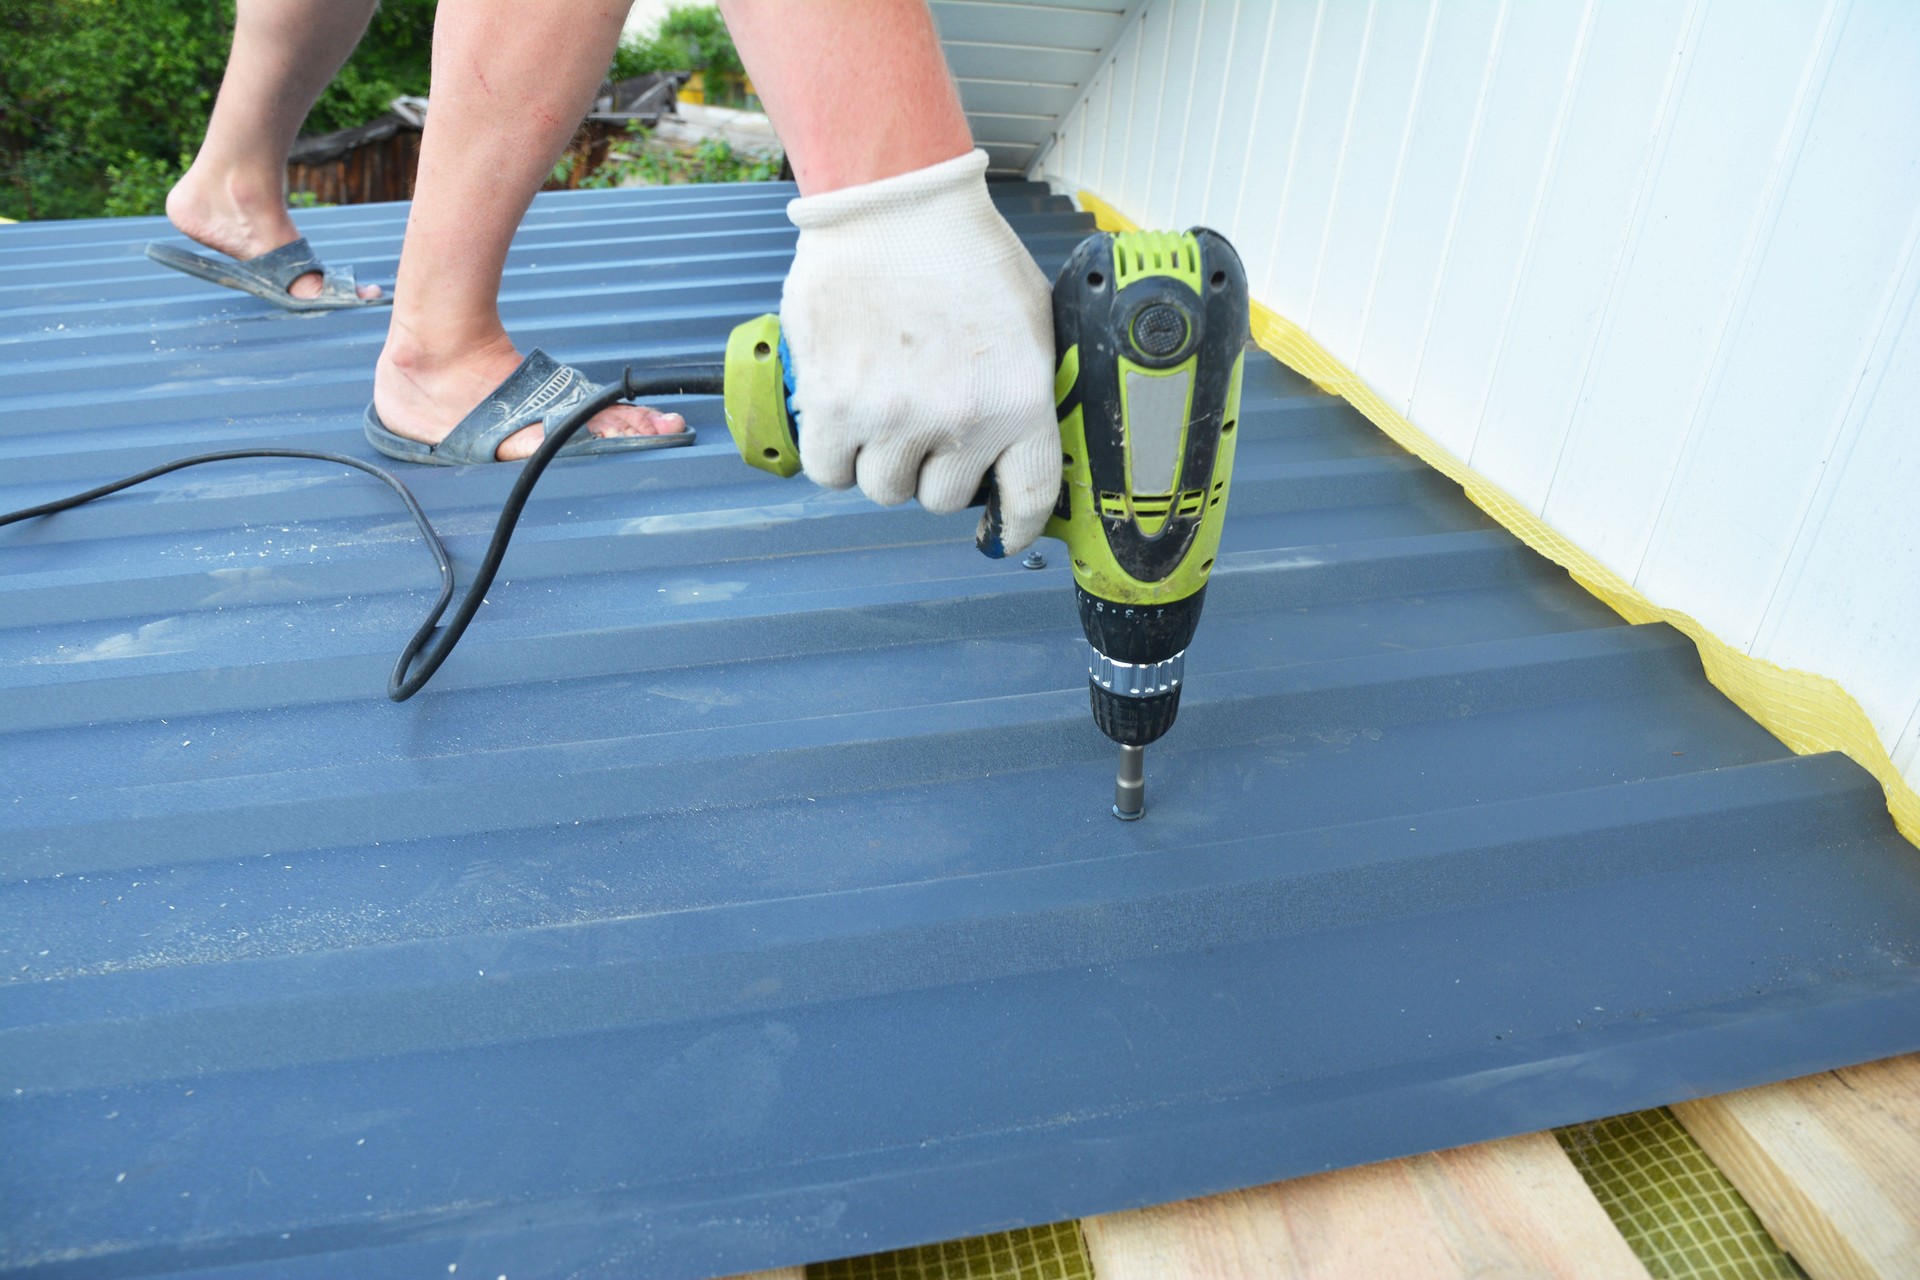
(420, 658)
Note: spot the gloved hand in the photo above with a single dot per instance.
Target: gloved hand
(922, 342)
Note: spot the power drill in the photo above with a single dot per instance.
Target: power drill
(1149, 331)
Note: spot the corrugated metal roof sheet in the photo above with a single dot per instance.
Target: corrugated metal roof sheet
(742, 891)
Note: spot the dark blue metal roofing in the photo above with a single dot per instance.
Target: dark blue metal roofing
(743, 891)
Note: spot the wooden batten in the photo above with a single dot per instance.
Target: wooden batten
(1516, 1207)
(1831, 1163)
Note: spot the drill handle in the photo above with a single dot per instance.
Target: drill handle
(989, 537)
(766, 428)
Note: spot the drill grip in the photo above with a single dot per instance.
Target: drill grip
(766, 427)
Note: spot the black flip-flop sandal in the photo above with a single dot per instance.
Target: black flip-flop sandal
(540, 390)
(268, 276)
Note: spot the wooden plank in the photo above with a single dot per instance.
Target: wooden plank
(1511, 1208)
(1831, 1163)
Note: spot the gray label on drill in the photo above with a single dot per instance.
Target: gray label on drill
(1156, 413)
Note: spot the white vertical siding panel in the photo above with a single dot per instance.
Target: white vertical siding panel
(1149, 82)
(1121, 81)
(1440, 153)
(1290, 45)
(1219, 183)
(1212, 60)
(1068, 153)
(1300, 227)
(1066, 139)
(1089, 125)
(1851, 601)
(1705, 205)
(1053, 160)
(1385, 98)
(1821, 292)
(1172, 120)
(1093, 159)
(1890, 388)
(1538, 57)
(1597, 177)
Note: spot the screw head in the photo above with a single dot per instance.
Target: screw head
(1034, 560)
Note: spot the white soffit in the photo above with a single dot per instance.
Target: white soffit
(1020, 65)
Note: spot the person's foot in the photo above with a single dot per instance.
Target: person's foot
(423, 397)
(241, 219)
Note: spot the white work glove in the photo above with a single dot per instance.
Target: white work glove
(922, 343)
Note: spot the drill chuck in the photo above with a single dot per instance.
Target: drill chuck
(1137, 657)
(1133, 722)
(1134, 703)
(1136, 679)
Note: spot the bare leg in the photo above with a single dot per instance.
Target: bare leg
(233, 197)
(832, 130)
(511, 82)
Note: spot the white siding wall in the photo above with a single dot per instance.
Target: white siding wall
(1647, 264)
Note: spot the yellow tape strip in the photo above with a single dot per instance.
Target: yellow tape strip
(1808, 712)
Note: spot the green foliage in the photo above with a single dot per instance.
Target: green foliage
(691, 37)
(138, 185)
(92, 86)
(714, 160)
(562, 172)
(392, 61)
(99, 99)
(636, 56)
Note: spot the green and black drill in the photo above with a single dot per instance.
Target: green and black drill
(1150, 330)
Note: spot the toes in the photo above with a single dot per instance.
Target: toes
(521, 444)
(662, 424)
(309, 285)
(637, 420)
(621, 420)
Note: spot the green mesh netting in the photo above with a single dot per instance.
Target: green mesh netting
(1674, 1206)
